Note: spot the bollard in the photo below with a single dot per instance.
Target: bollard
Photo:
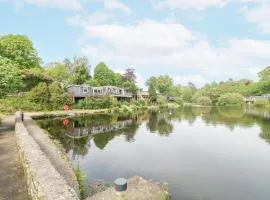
(120, 185)
(22, 116)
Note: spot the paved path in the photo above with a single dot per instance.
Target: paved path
(12, 184)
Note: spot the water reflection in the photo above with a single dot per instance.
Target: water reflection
(203, 153)
(77, 134)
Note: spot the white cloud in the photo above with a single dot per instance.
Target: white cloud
(259, 15)
(198, 80)
(62, 4)
(95, 18)
(116, 5)
(186, 4)
(113, 5)
(169, 46)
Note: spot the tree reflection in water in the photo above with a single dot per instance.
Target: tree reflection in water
(76, 137)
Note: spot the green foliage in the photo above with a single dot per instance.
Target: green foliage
(204, 101)
(130, 87)
(179, 101)
(265, 73)
(187, 94)
(59, 72)
(32, 77)
(13, 104)
(231, 99)
(10, 80)
(79, 71)
(119, 81)
(58, 97)
(152, 92)
(49, 96)
(40, 94)
(175, 91)
(104, 75)
(162, 83)
(20, 50)
(261, 103)
(81, 178)
(96, 103)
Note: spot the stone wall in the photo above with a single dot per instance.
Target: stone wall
(43, 179)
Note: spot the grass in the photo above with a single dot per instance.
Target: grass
(81, 178)
(1, 117)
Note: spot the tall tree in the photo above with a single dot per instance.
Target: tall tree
(152, 92)
(20, 50)
(10, 80)
(164, 84)
(130, 87)
(104, 75)
(79, 68)
(265, 73)
(59, 72)
(129, 75)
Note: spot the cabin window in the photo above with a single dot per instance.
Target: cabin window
(85, 90)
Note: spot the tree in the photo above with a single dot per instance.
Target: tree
(231, 99)
(58, 97)
(59, 72)
(187, 94)
(130, 87)
(10, 80)
(164, 84)
(40, 94)
(79, 70)
(152, 80)
(93, 82)
(20, 50)
(152, 93)
(129, 75)
(104, 75)
(265, 73)
(119, 80)
(32, 77)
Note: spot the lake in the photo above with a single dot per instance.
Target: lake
(202, 153)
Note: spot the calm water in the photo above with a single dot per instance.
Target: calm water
(203, 154)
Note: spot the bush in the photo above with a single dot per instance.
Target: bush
(96, 103)
(58, 97)
(179, 101)
(40, 94)
(204, 101)
(230, 99)
(261, 103)
(13, 104)
(51, 96)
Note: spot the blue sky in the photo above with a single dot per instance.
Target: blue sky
(191, 40)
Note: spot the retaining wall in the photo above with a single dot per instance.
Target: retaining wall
(41, 167)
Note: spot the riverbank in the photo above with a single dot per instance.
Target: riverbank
(41, 158)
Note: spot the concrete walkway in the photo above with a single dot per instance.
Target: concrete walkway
(12, 182)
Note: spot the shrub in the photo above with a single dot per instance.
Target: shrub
(179, 101)
(40, 94)
(204, 101)
(58, 97)
(51, 96)
(261, 103)
(230, 99)
(96, 103)
(13, 104)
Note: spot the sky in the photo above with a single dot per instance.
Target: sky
(199, 41)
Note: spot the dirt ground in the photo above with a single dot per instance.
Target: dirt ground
(12, 182)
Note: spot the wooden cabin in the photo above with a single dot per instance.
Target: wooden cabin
(83, 91)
